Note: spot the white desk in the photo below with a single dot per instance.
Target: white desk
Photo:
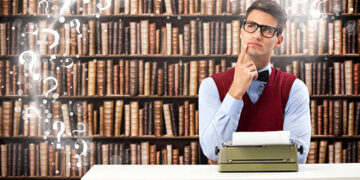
(210, 172)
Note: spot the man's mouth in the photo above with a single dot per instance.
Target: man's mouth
(254, 44)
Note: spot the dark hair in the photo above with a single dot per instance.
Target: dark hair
(273, 8)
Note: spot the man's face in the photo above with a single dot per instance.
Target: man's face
(258, 45)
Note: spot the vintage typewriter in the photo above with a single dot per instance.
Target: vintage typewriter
(243, 158)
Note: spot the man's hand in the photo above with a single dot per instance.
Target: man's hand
(245, 72)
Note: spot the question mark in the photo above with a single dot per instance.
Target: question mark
(27, 32)
(66, 5)
(84, 150)
(60, 133)
(72, 24)
(55, 96)
(47, 5)
(28, 114)
(24, 57)
(56, 36)
(100, 6)
(81, 130)
(66, 61)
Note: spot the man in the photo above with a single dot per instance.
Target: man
(252, 96)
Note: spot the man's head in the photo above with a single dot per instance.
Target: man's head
(272, 19)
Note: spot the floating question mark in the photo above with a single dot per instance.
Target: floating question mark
(83, 129)
(60, 132)
(55, 96)
(77, 22)
(24, 57)
(33, 33)
(67, 60)
(84, 149)
(66, 6)
(28, 114)
(56, 36)
(47, 5)
(103, 8)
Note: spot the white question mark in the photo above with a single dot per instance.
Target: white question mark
(47, 5)
(24, 57)
(66, 61)
(53, 88)
(72, 24)
(60, 132)
(33, 33)
(84, 150)
(28, 114)
(66, 5)
(56, 36)
(103, 8)
(83, 129)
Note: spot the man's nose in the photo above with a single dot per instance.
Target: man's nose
(257, 34)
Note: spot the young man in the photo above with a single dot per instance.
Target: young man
(252, 96)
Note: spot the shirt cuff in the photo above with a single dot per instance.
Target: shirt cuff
(231, 106)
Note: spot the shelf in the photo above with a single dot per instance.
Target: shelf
(122, 137)
(332, 137)
(41, 177)
(143, 97)
(200, 56)
(101, 97)
(334, 96)
(149, 15)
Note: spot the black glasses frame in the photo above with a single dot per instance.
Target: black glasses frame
(261, 28)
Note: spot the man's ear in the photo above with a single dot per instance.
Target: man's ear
(280, 39)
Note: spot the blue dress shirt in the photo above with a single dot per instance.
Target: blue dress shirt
(218, 120)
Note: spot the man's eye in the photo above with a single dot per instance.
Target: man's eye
(267, 30)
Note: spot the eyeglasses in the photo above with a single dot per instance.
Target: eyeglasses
(266, 31)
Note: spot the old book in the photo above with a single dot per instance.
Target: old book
(154, 77)
(325, 117)
(127, 77)
(187, 39)
(7, 111)
(337, 37)
(109, 77)
(105, 153)
(313, 155)
(44, 158)
(193, 78)
(160, 82)
(350, 130)
(345, 117)
(167, 117)
(313, 117)
(121, 77)
(356, 73)
(100, 78)
(144, 37)
(134, 77)
(338, 109)
(133, 154)
(348, 77)
(193, 38)
(175, 40)
(66, 118)
(134, 127)
(116, 79)
(119, 104)
(165, 84)
(338, 151)
(186, 118)
(319, 119)
(171, 80)
(206, 38)
(133, 40)
(152, 38)
(127, 119)
(17, 117)
(108, 118)
(147, 79)
(91, 78)
(308, 77)
(158, 118)
(145, 152)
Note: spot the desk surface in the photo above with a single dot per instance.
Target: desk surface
(210, 172)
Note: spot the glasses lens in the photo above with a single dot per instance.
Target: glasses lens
(250, 27)
(267, 31)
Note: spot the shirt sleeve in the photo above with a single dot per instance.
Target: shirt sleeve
(218, 120)
(297, 117)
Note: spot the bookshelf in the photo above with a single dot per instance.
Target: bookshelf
(183, 47)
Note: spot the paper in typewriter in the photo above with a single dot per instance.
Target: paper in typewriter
(261, 138)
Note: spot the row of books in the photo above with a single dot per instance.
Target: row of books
(148, 38)
(325, 151)
(102, 118)
(333, 78)
(335, 117)
(316, 37)
(108, 77)
(45, 159)
(136, 7)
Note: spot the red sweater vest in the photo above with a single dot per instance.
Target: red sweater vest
(267, 114)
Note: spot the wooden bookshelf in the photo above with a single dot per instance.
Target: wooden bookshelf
(177, 20)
